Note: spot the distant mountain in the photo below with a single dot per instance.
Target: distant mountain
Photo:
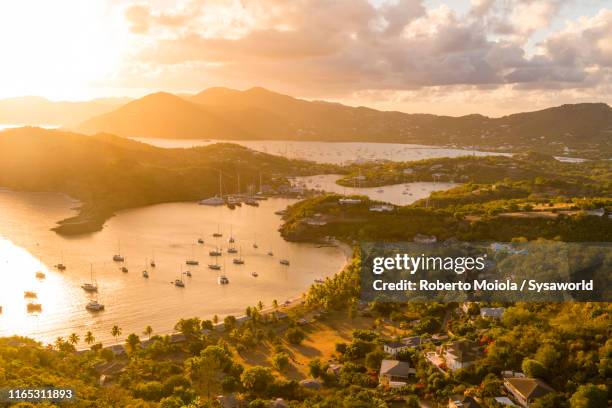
(34, 110)
(222, 113)
(163, 115)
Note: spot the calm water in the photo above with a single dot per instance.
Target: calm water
(399, 194)
(331, 152)
(167, 231)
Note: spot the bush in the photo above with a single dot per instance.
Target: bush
(280, 361)
(295, 336)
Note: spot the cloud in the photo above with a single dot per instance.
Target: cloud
(339, 47)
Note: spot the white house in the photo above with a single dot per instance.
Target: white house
(526, 390)
(492, 312)
(394, 373)
(394, 348)
(460, 354)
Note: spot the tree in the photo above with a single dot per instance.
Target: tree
(280, 361)
(132, 342)
(533, 368)
(74, 339)
(215, 319)
(260, 305)
(229, 322)
(58, 342)
(295, 335)
(189, 327)
(116, 332)
(275, 304)
(257, 379)
(248, 311)
(89, 338)
(590, 396)
(148, 331)
(374, 359)
(315, 368)
(207, 325)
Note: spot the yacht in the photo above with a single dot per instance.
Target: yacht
(191, 261)
(29, 295)
(179, 283)
(118, 257)
(222, 280)
(94, 306)
(270, 253)
(252, 202)
(60, 267)
(40, 275)
(232, 250)
(255, 245)
(152, 263)
(145, 274)
(90, 286)
(214, 266)
(216, 200)
(284, 262)
(188, 273)
(200, 241)
(215, 252)
(239, 260)
(124, 269)
(231, 240)
(217, 234)
(254, 274)
(34, 307)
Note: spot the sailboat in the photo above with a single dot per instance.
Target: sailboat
(216, 200)
(118, 257)
(152, 263)
(179, 282)
(145, 272)
(94, 306)
(201, 241)
(192, 261)
(215, 266)
(255, 242)
(239, 260)
(217, 234)
(60, 266)
(270, 253)
(90, 286)
(222, 279)
(231, 239)
(124, 268)
(215, 252)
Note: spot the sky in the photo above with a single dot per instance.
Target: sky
(457, 57)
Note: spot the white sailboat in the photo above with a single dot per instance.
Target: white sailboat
(118, 257)
(239, 260)
(192, 260)
(216, 200)
(90, 286)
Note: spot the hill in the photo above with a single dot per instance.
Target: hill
(108, 173)
(34, 110)
(581, 130)
(162, 115)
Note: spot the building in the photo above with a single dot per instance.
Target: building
(462, 401)
(349, 201)
(393, 348)
(394, 373)
(526, 390)
(460, 354)
(382, 208)
(425, 239)
(492, 312)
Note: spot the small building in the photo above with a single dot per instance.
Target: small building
(462, 401)
(526, 390)
(334, 369)
(492, 312)
(117, 349)
(461, 354)
(393, 348)
(394, 373)
(349, 201)
(505, 401)
(425, 239)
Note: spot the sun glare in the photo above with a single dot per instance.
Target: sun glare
(58, 49)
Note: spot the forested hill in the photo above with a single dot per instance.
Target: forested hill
(108, 173)
(580, 130)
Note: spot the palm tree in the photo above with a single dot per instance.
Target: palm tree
(74, 339)
(260, 305)
(215, 319)
(116, 332)
(89, 338)
(59, 341)
(275, 304)
(148, 331)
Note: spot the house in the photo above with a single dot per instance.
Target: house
(505, 401)
(425, 239)
(412, 342)
(394, 373)
(349, 201)
(311, 384)
(394, 348)
(526, 390)
(462, 401)
(492, 312)
(460, 354)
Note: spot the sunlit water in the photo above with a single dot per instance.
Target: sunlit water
(399, 194)
(330, 152)
(169, 233)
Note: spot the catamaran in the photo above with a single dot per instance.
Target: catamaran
(90, 286)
